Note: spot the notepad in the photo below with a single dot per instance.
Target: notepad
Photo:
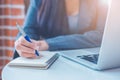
(43, 62)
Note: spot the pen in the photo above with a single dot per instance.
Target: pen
(26, 36)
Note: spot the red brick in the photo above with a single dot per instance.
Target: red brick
(1, 62)
(5, 21)
(1, 21)
(9, 43)
(7, 32)
(1, 43)
(11, 33)
(5, 11)
(1, 52)
(16, 11)
(12, 22)
(9, 22)
(0, 73)
(18, 2)
(9, 53)
(20, 21)
(1, 11)
(1, 32)
(11, 11)
(1, 2)
(7, 1)
(6, 61)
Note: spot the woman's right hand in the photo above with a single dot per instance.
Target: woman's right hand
(25, 48)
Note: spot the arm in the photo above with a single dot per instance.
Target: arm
(76, 41)
(30, 24)
(86, 40)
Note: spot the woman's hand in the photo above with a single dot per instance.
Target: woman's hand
(27, 49)
(43, 45)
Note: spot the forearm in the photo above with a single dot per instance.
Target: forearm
(30, 25)
(76, 41)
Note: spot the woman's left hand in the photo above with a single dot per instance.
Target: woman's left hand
(43, 45)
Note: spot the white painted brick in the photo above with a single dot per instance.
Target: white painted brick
(8, 27)
(12, 17)
(5, 57)
(12, 6)
(7, 38)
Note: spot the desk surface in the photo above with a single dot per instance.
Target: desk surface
(62, 69)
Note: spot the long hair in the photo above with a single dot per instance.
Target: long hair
(52, 17)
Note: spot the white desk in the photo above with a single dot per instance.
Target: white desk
(62, 69)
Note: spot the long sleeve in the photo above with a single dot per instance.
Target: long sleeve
(31, 26)
(76, 41)
(89, 39)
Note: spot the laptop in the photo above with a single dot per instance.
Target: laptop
(108, 55)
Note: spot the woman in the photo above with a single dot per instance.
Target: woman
(64, 24)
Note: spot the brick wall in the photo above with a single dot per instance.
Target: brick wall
(10, 12)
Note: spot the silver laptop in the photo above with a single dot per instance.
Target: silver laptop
(108, 55)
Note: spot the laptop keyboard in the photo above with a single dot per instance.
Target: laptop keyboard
(92, 58)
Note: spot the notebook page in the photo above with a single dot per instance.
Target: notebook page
(41, 61)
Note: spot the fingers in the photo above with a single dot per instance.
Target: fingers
(25, 52)
(27, 55)
(43, 45)
(25, 48)
(24, 42)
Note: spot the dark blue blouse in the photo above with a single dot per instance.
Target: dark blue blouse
(55, 30)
